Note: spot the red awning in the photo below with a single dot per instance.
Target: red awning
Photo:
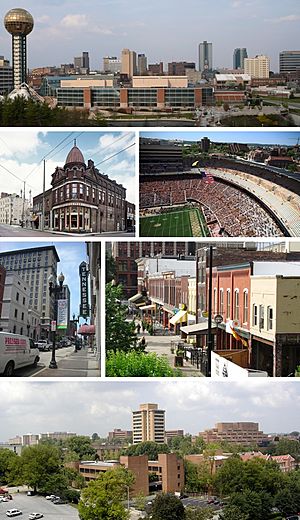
(85, 330)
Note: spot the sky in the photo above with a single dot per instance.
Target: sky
(71, 254)
(165, 31)
(88, 407)
(265, 137)
(21, 152)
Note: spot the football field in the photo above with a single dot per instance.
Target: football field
(182, 223)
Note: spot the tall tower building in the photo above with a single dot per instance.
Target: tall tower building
(289, 61)
(148, 424)
(205, 56)
(128, 60)
(258, 67)
(238, 57)
(142, 64)
(19, 23)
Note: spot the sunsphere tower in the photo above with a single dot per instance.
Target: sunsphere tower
(19, 23)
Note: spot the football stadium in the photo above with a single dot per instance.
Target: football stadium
(216, 196)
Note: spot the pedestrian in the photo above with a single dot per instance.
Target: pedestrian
(138, 328)
(143, 341)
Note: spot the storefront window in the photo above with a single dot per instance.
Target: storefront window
(74, 219)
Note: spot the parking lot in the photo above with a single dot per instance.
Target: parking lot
(37, 504)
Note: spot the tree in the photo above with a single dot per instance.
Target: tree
(150, 448)
(120, 334)
(167, 507)
(36, 465)
(233, 513)
(103, 498)
(254, 504)
(110, 267)
(205, 513)
(7, 458)
(95, 437)
(82, 445)
(292, 447)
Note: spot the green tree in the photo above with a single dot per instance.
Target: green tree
(103, 498)
(7, 458)
(82, 445)
(257, 505)
(150, 448)
(167, 507)
(233, 513)
(110, 264)
(120, 334)
(205, 513)
(36, 465)
(288, 446)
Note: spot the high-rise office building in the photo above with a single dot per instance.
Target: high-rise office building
(19, 23)
(6, 76)
(111, 64)
(82, 63)
(128, 60)
(148, 424)
(34, 266)
(258, 67)
(142, 64)
(238, 57)
(289, 61)
(205, 56)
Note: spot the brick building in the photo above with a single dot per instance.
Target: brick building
(82, 199)
(118, 434)
(235, 432)
(168, 468)
(2, 285)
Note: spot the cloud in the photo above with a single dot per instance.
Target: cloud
(74, 20)
(42, 19)
(288, 18)
(19, 144)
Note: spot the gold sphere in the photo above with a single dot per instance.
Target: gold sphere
(18, 22)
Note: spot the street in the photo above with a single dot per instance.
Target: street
(17, 231)
(37, 504)
(70, 364)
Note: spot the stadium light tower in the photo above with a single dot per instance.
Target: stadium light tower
(19, 23)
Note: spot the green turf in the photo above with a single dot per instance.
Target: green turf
(173, 224)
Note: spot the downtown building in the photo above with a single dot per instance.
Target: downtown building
(148, 424)
(34, 266)
(258, 67)
(205, 53)
(81, 199)
(13, 209)
(289, 62)
(6, 76)
(239, 56)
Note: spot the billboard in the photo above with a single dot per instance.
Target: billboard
(62, 314)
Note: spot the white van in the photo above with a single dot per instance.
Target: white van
(16, 351)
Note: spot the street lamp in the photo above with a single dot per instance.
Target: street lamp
(55, 290)
(28, 323)
(209, 325)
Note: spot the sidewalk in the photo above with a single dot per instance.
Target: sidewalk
(76, 364)
(161, 346)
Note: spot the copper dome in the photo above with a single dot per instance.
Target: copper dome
(75, 156)
(18, 22)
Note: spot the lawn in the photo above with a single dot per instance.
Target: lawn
(173, 224)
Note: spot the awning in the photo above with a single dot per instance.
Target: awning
(135, 298)
(179, 316)
(197, 328)
(86, 330)
(141, 304)
(147, 308)
(167, 310)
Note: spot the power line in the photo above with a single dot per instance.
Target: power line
(115, 154)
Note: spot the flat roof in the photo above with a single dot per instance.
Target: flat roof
(31, 250)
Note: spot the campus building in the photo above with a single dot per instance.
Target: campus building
(82, 199)
(235, 432)
(168, 468)
(148, 424)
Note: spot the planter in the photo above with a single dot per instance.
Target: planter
(178, 361)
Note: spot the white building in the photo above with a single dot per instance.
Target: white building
(13, 209)
(17, 316)
(258, 67)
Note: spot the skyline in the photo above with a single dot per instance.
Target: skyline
(71, 254)
(99, 407)
(106, 27)
(246, 137)
(21, 154)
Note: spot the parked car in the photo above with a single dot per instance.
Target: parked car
(50, 497)
(43, 345)
(16, 351)
(13, 512)
(59, 501)
(35, 516)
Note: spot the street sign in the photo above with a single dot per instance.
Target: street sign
(84, 294)
(62, 314)
(53, 326)
(218, 318)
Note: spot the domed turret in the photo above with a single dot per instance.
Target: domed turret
(18, 22)
(75, 156)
